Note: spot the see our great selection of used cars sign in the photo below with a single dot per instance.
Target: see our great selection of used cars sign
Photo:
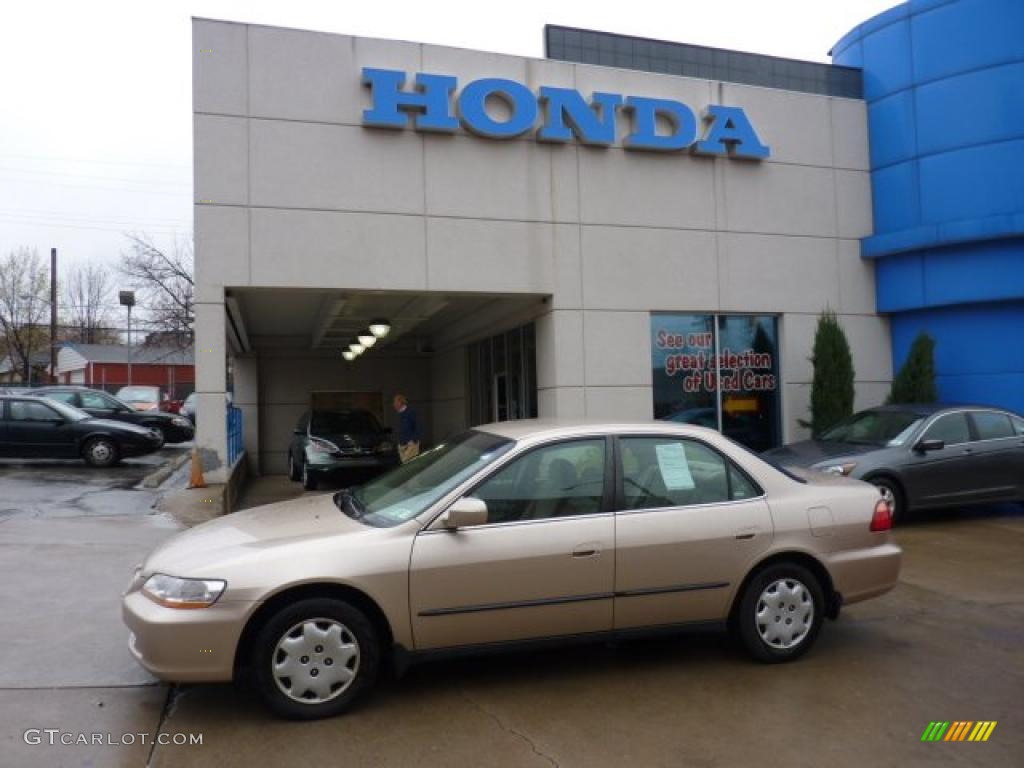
(556, 115)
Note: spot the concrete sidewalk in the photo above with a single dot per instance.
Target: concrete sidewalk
(65, 663)
(70, 538)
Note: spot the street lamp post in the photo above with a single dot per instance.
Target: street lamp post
(127, 299)
(53, 315)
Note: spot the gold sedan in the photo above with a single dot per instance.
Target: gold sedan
(514, 533)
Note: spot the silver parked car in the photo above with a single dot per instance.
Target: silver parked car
(510, 533)
(922, 456)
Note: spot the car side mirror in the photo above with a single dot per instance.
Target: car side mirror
(465, 513)
(924, 446)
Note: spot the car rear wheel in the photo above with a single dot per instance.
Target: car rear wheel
(309, 480)
(780, 613)
(315, 659)
(893, 494)
(100, 452)
(293, 471)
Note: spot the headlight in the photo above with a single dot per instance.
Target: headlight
(838, 469)
(180, 422)
(319, 445)
(385, 446)
(172, 592)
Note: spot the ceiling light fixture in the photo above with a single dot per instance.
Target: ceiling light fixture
(367, 339)
(349, 355)
(356, 348)
(380, 328)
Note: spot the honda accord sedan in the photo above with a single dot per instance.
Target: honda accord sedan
(922, 456)
(36, 428)
(515, 533)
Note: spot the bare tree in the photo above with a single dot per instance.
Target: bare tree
(87, 299)
(23, 306)
(164, 282)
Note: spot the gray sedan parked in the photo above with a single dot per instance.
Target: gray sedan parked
(922, 456)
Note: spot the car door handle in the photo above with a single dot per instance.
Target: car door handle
(968, 451)
(586, 550)
(745, 534)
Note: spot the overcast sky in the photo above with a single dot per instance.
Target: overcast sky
(96, 135)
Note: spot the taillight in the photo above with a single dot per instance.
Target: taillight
(881, 520)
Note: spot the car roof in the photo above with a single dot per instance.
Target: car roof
(927, 409)
(66, 388)
(529, 428)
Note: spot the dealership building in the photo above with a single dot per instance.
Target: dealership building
(625, 229)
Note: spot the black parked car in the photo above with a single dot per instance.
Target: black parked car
(330, 443)
(172, 427)
(33, 427)
(922, 456)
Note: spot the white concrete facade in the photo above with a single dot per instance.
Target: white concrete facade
(293, 192)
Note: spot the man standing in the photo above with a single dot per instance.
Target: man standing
(408, 430)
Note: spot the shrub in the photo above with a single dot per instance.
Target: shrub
(915, 382)
(832, 386)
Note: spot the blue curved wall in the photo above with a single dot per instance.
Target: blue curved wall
(944, 85)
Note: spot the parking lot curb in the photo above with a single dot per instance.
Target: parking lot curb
(154, 479)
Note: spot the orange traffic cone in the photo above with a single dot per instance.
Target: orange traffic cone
(196, 480)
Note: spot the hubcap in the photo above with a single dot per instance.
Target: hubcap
(784, 613)
(100, 452)
(888, 497)
(315, 661)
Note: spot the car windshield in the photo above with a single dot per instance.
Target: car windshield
(888, 428)
(409, 490)
(138, 394)
(338, 422)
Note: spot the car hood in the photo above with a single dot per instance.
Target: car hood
(119, 426)
(809, 452)
(349, 440)
(160, 415)
(208, 549)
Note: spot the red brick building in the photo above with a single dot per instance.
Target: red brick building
(105, 366)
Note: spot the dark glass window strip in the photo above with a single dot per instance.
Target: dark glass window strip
(589, 47)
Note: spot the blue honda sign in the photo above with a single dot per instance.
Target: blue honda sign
(563, 115)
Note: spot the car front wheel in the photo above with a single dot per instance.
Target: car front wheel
(780, 613)
(293, 471)
(315, 659)
(893, 494)
(100, 452)
(309, 480)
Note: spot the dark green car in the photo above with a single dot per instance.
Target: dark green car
(339, 445)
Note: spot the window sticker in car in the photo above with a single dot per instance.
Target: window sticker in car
(675, 471)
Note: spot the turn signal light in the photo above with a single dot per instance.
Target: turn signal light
(881, 520)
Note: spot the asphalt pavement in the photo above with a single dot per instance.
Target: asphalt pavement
(946, 644)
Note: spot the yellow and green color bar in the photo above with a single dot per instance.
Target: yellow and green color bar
(959, 730)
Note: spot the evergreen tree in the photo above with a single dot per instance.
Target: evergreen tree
(915, 382)
(832, 386)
